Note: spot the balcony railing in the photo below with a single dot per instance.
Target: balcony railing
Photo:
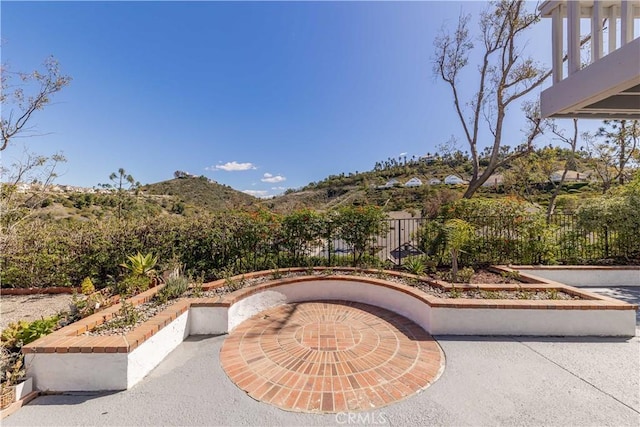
(613, 36)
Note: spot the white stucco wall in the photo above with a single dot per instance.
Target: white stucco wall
(455, 321)
(254, 304)
(208, 320)
(586, 277)
(151, 352)
(393, 300)
(77, 371)
(119, 371)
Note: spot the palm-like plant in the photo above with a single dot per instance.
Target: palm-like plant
(414, 265)
(458, 233)
(141, 265)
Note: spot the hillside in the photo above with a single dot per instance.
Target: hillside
(371, 187)
(382, 186)
(199, 192)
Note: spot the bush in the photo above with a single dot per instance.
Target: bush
(173, 288)
(21, 333)
(507, 231)
(414, 265)
(86, 287)
(359, 226)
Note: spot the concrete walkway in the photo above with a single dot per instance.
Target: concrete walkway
(486, 381)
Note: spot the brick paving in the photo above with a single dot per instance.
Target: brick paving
(330, 356)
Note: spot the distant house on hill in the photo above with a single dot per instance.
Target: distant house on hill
(391, 183)
(434, 181)
(494, 181)
(182, 175)
(571, 176)
(454, 180)
(413, 182)
(428, 159)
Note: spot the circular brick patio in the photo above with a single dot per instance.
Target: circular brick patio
(330, 356)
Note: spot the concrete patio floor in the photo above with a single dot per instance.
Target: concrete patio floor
(486, 381)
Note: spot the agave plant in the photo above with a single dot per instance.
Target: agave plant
(141, 265)
(414, 265)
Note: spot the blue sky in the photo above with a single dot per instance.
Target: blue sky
(261, 96)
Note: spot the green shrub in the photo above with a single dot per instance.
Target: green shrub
(465, 275)
(83, 307)
(131, 285)
(21, 333)
(127, 315)
(414, 265)
(359, 226)
(141, 265)
(86, 287)
(173, 288)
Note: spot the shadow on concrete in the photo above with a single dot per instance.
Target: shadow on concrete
(70, 397)
(527, 338)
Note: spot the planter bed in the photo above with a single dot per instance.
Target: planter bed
(66, 360)
(584, 276)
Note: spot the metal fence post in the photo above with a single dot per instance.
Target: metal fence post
(399, 243)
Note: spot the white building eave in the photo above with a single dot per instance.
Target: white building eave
(608, 86)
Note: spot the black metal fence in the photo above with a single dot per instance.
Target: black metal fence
(498, 239)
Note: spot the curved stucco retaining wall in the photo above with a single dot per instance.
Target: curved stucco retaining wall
(438, 320)
(77, 363)
(399, 302)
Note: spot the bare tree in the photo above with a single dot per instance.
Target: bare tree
(621, 137)
(505, 75)
(572, 140)
(30, 93)
(25, 185)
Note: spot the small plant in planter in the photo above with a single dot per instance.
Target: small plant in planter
(275, 272)
(414, 265)
(465, 275)
(455, 292)
(511, 275)
(82, 307)
(142, 266)
(12, 373)
(174, 287)
(13, 381)
(458, 234)
(86, 287)
(196, 288)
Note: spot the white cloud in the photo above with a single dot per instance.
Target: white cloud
(233, 167)
(257, 193)
(402, 154)
(272, 179)
(279, 188)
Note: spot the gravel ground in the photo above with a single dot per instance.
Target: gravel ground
(30, 307)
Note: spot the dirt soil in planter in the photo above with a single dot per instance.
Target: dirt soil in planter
(486, 276)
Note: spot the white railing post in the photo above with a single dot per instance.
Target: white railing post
(613, 28)
(596, 31)
(556, 46)
(573, 36)
(626, 22)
